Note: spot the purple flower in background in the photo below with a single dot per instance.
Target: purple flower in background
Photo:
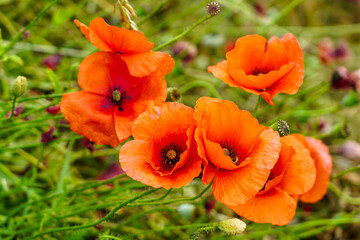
(54, 110)
(52, 61)
(48, 136)
(112, 171)
(87, 144)
(17, 111)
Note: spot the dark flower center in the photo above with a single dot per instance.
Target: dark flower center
(116, 96)
(170, 155)
(260, 71)
(230, 150)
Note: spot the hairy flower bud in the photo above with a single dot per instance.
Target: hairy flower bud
(18, 86)
(340, 130)
(232, 226)
(213, 8)
(283, 128)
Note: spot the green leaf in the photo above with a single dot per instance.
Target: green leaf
(55, 81)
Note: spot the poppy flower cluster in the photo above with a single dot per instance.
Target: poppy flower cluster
(252, 170)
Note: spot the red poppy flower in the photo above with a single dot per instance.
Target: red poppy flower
(263, 67)
(111, 98)
(323, 164)
(163, 153)
(238, 152)
(132, 46)
(293, 174)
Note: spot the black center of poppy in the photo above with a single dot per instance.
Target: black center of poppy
(170, 155)
(230, 150)
(260, 71)
(116, 96)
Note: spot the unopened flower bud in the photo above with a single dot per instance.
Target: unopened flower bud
(213, 8)
(340, 130)
(283, 128)
(232, 226)
(351, 99)
(173, 95)
(18, 86)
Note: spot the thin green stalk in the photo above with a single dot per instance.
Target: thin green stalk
(74, 190)
(199, 83)
(157, 9)
(172, 228)
(256, 106)
(65, 169)
(286, 10)
(183, 33)
(19, 35)
(13, 108)
(175, 200)
(348, 199)
(107, 216)
(157, 199)
(58, 95)
(206, 228)
(353, 169)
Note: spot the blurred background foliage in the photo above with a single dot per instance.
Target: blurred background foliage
(48, 173)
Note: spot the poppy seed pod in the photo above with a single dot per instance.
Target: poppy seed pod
(232, 226)
(18, 86)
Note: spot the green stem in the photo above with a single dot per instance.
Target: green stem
(207, 228)
(65, 169)
(256, 106)
(344, 196)
(176, 200)
(107, 216)
(183, 33)
(13, 107)
(199, 83)
(172, 228)
(19, 35)
(353, 169)
(158, 8)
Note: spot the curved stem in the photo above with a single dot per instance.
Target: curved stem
(183, 33)
(18, 36)
(199, 83)
(353, 169)
(158, 8)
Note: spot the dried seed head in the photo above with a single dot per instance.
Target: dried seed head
(213, 8)
(18, 86)
(232, 226)
(283, 128)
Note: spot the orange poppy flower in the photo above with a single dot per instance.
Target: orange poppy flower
(132, 46)
(293, 174)
(238, 152)
(323, 164)
(111, 99)
(263, 67)
(163, 152)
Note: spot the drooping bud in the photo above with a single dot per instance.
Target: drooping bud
(232, 226)
(213, 8)
(340, 130)
(18, 86)
(341, 79)
(283, 128)
(173, 94)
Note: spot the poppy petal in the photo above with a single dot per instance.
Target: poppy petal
(91, 116)
(133, 161)
(238, 186)
(276, 207)
(112, 38)
(220, 70)
(323, 163)
(299, 176)
(143, 64)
